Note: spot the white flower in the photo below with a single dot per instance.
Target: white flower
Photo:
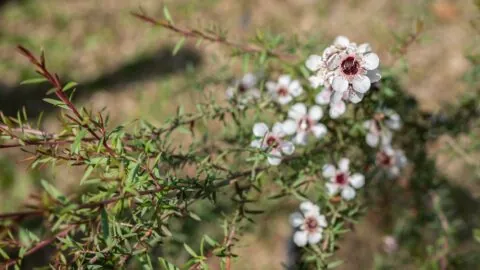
(380, 128)
(244, 90)
(272, 141)
(309, 224)
(349, 69)
(302, 122)
(391, 160)
(337, 108)
(284, 90)
(390, 244)
(341, 180)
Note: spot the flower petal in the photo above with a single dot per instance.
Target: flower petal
(357, 180)
(284, 80)
(277, 130)
(284, 99)
(271, 86)
(374, 75)
(328, 170)
(341, 41)
(319, 130)
(323, 97)
(340, 84)
(372, 139)
(256, 144)
(333, 61)
(316, 81)
(337, 96)
(337, 109)
(314, 237)
(297, 111)
(296, 219)
(332, 188)
(295, 88)
(300, 238)
(394, 121)
(371, 61)
(344, 165)
(354, 96)
(301, 138)
(287, 148)
(274, 158)
(290, 126)
(230, 92)
(314, 62)
(309, 208)
(348, 193)
(364, 48)
(260, 129)
(361, 83)
(322, 221)
(315, 113)
(249, 80)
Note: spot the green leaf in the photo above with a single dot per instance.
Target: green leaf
(190, 250)
(195, 216)
(167, 265)
(476, 235)
(105, 229)
(34, 81)
(167, 15)
(52, 191)
(87, 173)
(75, 147)
(178, 46)
(4, 255)
(334, 264)
(69, 86)
(56, 102)
(210, 241)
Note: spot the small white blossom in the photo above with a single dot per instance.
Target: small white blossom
(244, 90)
(272, 141)
(390, 244)
(303, 122)
(285, 90)
(391, 160)
(337, 108)
(379, 129)
(309, 224)
(349, 69)
(341, 180)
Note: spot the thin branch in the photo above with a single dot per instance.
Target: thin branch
(195, 33)
(55, 82)
(38, 247)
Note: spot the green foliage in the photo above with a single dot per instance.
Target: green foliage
(142, 183)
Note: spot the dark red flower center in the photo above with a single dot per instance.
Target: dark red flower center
(272, 141)
(282, 91)
(350, 66)
(311, 223)
(341, 179)
(384, 159)
(242, 88)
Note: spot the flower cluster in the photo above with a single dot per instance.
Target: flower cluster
(346, 71)
(379, 134)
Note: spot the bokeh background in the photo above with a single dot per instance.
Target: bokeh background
(126, 67)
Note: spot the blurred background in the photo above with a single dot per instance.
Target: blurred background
(126, 66)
